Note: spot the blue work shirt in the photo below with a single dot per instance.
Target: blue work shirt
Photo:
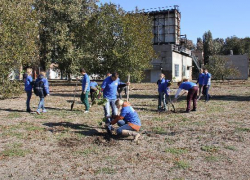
(28, 81)
(200, 79)
(161, 85)
(45, 82)
(187, 85)
(93, 84)
(207, 79)
(110, 87)
(85, 83)
(130, 115)
(166, 88)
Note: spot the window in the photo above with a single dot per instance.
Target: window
(183, 71)
(176, 70)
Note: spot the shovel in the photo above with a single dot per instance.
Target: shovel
(128, 88)
(73, 103)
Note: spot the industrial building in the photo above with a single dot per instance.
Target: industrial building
(173, 60)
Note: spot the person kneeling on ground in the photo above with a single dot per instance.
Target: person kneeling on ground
(128, 120)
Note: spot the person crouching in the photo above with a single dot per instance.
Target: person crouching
(128, 120)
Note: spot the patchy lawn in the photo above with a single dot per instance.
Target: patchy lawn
(212, 143)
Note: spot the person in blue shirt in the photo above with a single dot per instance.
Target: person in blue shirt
(161, 96)
(128, 121)
(206, 84)
(43, 91)
(192, 93)
(200, 81)
(85, 89)
(109, 89)
(28, 84)
(93, 89)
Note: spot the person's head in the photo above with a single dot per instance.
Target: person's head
(82, 71)
(29, 71)
(119, 103)
(43, 73)
(108, 74)
(161, 76)
(114, 76)
(201, 70)
(185, 80)
(205, 70)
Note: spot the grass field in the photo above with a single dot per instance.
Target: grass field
(211, 143)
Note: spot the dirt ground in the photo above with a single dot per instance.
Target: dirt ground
(211, 143)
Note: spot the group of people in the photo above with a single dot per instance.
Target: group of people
(204, 81)
(41, 89)
(121, 112)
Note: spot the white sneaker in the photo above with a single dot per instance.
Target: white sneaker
(86, 111)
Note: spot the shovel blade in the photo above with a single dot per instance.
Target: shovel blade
(72, 105)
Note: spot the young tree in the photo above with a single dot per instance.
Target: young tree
(220, 68)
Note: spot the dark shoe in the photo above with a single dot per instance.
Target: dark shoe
(28, 110)
(187, 111)
(193, 110)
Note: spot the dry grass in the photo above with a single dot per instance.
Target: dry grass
(212, 143)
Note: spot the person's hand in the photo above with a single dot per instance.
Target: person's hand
(48, 94)
(128, 83)
(84, 92)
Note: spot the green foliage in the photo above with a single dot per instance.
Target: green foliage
(120, 42)
(220, 68)
(18, 47)
(207, 45)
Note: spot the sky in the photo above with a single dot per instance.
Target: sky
(224, 18)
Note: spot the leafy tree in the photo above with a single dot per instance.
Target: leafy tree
(120, 42)
(62, 29)
(220, 68)
(199, 44)
(207, 46)
(18, 29)
(218, 45)
(234, 43)
(190, 45)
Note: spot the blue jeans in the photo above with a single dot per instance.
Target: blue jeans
(162, 98)
(29, 93)
(207, 96)
(123, 127)
(111, 102)
(41, 105)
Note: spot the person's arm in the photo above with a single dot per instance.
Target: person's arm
(46, 86)
(86, 84)
(114, 121)
(177, 93)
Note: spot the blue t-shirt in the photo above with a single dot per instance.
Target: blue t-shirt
(187, 85)
(161, 85)
(130, 115)
(207, 79)
(28, 81)
(93, 84)
(85, 83)
(110, 87)
(201, 78)
(166, 88)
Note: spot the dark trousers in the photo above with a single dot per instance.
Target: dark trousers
(92, 91)
(29, 94)
(205, 92)
(192, 96)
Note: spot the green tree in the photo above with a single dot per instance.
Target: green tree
(62, 32)
(121, 42)
(220, 68)
(18, 29)
(233, 43)
(199, 44)
(207, 46)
